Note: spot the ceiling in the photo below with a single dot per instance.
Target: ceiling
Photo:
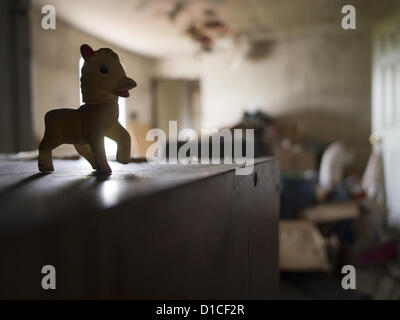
(157, 27)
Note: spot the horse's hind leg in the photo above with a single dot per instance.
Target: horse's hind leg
(85, 151)
(45, 158)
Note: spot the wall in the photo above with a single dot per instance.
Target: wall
(55, 77)
(319, 77)
(16, 118)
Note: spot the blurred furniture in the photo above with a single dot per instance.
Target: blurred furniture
(331, 212)
(146, 232)
(298, 192)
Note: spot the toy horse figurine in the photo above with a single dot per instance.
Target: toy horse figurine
(103, 81)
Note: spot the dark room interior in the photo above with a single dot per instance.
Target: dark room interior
(200, 149)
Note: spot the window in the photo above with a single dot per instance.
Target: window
(110, 145)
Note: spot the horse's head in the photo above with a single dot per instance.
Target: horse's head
(103, 77)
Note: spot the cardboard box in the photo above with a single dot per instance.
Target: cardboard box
(301, 247)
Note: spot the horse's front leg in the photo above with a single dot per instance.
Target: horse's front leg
(99, 154)
(119, 134)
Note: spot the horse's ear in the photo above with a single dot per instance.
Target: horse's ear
(87, 52)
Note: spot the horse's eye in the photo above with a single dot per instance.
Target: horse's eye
(103, 69)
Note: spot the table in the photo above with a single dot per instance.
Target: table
(145, 232)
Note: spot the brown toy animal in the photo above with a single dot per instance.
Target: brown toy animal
(103, 81)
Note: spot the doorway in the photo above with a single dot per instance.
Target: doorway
(176, 100)
(386, 109)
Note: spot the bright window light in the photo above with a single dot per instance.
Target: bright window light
(110, 145)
